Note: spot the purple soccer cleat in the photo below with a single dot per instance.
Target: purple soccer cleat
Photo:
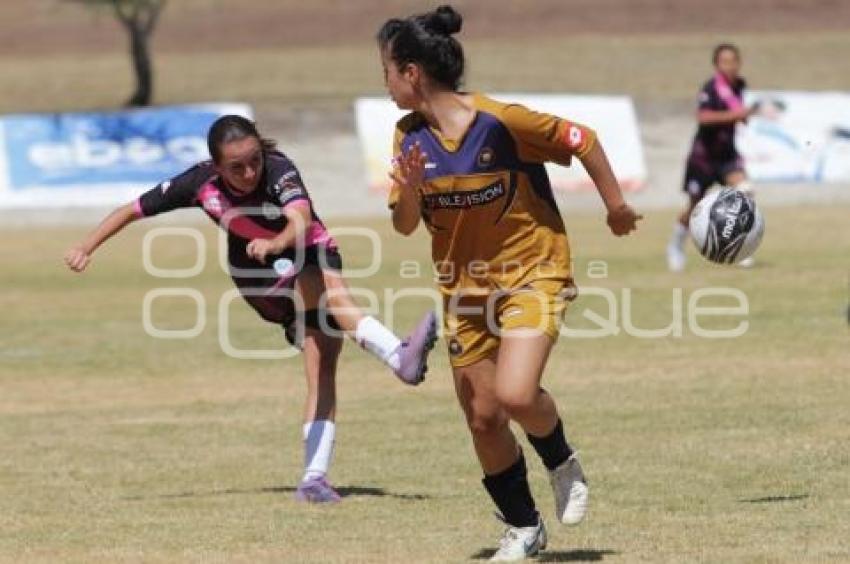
(317, 490)
(414, 350)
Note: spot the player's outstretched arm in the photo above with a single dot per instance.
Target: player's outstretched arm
(78, 257)
(622, 219)
(408, 174)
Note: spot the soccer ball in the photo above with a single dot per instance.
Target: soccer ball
(726, 226)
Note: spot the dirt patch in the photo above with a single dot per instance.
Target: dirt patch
(52, 26)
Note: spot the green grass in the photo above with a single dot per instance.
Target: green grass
(115, 446)
(650, 67)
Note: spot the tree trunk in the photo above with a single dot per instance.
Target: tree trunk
(140, 17)
(141, 65)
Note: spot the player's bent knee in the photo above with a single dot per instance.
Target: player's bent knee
(320, 321)
(518, 403)
(486, 424)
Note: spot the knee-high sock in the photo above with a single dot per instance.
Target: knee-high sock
(553, 449)
(318, 447)
(512, 495)
(378, 340)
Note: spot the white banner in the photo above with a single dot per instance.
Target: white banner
(613, 118)
(797, 137)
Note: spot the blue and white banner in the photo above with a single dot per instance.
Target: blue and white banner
(102, 158)
(797, 137)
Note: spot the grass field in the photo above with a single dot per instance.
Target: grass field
(115, 446)
(659, 68)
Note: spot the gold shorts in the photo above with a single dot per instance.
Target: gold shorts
(473, 325)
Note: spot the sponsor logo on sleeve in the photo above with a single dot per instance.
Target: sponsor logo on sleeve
(286, 181)
(290, 193)
(575, 137)
(288, 187)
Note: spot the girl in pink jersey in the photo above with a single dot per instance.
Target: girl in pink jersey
(713, 158)
(287, 267)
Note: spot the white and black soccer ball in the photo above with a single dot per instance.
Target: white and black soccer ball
(726, 226)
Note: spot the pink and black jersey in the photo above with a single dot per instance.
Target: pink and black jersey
(244, 216)
(257, 215)
(716, 142)
(713, 154)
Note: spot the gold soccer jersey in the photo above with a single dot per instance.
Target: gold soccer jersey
(487, 200)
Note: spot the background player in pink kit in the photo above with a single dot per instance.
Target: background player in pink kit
(713, 158)
(287, 267)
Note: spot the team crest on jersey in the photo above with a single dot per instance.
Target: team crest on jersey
(486, 157)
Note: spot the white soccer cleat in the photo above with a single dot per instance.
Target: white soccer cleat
(519, 543)
(571, 492)
(675, 257)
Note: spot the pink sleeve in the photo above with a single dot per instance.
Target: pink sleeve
(137, 207)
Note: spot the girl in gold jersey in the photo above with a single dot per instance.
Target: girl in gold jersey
(471, 169)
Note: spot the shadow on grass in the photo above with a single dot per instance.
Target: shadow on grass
(344, 491)
(585, 555)
(775, 498)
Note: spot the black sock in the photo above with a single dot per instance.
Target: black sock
(553, 448)
(509, 490)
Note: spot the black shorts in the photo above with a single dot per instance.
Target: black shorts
(269, 293)
(701, 174)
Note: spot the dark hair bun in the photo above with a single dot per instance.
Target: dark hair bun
(443, 21)
(426, 39)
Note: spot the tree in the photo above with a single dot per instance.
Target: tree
(139, 18)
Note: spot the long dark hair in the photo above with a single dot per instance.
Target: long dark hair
(234, 128)
(715, 55)
(426, 39)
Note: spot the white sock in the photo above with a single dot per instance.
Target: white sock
(318, 447)
(680, 235)
(378, 340)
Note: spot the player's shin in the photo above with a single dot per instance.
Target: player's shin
(510, 492)
(319, 437)
(676, 247)
(553, 448)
